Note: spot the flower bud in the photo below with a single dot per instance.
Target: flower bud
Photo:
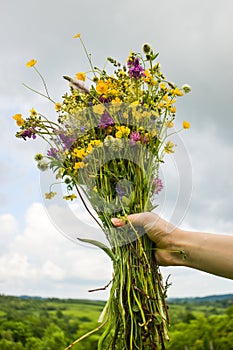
(186, 88)
(146, 48)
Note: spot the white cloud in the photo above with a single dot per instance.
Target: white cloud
(40, 255)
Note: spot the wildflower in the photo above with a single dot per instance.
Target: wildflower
(136, 71)
(50, 195)
(134, 137)
(70, 197)
(105, 121)
(42, 165)
(163, 86)
(28, 133)
(67, 140)
(52, 152)
(99, 109)
(108, 140)
(157, 185)
(177, 92)
(146, 48)
(123, 131)
(186, 125)
(173, 109)
(31, 63)
(33, 112)
(19, 120)
(78, 165)
(120, 190)
(82, 128)
(169, 124)
(77, 36)
(186, 88)
(168, 148)
(101, 87)
(79, 153)
(81, 76)
(57, 106)
(38, 157)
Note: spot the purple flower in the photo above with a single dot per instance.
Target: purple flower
(157, 185)
(105, 121)
(28, 133)
(82, 128)
(67, 140)
(52, 152)
(120, 190)
(134, 138)
(136, 71)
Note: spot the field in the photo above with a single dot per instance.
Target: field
(52, 324)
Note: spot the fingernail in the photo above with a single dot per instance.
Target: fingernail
(116, 221)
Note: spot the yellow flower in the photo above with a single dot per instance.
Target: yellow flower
(80, 153)
(33, 112)
(50, 195)
(177, 92)
(57, 106)
(134, 104)
(169, 124)
(173, 109)
(99, 109)
(101, 87)
(79, 165)
(31, 63)
(123, 131)
(96, 142)
(168, 148)
(19, 120)
(186, 125)
(81, 76)
(70, 197)
(116, 101)
(163, 86)
(77, 36)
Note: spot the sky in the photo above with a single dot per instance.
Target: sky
(39, 250)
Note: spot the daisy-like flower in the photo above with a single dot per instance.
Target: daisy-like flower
(168, 148)
(31, 63)
(33, 112)
(186, 125)
(77, 36)
(57, 106)
(81, 76)
(19, 120)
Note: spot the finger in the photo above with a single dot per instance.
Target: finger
(117, 222)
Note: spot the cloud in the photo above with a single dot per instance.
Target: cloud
(41, 256)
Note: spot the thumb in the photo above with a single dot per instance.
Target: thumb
(140, 219)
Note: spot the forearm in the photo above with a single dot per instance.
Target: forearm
(212, 253)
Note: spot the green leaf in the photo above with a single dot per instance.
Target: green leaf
(100, 245)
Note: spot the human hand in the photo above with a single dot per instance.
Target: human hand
(159, 230)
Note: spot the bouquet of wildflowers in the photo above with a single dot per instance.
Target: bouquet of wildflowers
(107, 144)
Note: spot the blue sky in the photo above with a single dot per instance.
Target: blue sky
(195, 42)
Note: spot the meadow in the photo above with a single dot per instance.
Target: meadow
(52, 324)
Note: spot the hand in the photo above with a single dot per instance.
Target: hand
(160, 231)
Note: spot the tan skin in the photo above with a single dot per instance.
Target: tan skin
(212, 253)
